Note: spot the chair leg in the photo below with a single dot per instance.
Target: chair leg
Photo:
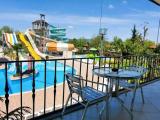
(107, 110)
(126, 94)
(84, 112)
(106, 106)
(99, 114)
(142, 95)
(133, 98)
(66, 104)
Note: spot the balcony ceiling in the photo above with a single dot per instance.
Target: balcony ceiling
(156, 2)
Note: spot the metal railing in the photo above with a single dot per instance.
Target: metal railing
(53, 98)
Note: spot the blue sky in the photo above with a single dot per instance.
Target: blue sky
(81, 17)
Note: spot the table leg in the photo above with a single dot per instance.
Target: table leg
(120, 100)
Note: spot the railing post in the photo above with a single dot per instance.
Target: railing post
(6, 91)
(103, 77)
(55, 82)
(99, 65)
(45, 66)
(64, 83)
(80, 72)
(33, 89)
(92, 73)
(21, 87)
(87, 71)
(72, 74)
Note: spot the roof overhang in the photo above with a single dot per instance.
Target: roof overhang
(156, 2)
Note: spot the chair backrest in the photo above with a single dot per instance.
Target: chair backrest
(74, 83)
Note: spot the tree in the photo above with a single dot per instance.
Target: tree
(6, 29)
(136, 36)
(157, 50)
(118, 45)
(98, 43)
(145, 30)
(146, 46)
(17, 47)
(0, 32)
(10, 53)
(95, 42)
(79, 43)
(13, 53)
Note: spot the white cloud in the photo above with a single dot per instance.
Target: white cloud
(152, 13)
(69, 20)
(77, 21)
(110, 6)
(140, 13)
(124, 2)
(18, 16)
(70, 26)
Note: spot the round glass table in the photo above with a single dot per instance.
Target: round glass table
(116, 76)
(120, 74)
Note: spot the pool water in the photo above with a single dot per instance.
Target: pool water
(14, 85)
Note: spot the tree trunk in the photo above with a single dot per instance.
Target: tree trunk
(17, 63)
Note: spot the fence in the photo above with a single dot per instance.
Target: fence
(46, 93)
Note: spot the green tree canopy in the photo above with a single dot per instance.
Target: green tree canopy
(117, 45)
(97, 41)
(135, 45)
(136, 36)
(79, 43)
(157, 50)
(6, 29)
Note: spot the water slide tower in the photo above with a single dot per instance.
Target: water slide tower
(41, 27)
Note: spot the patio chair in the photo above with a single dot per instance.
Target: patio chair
(133, 85)
(89, 95)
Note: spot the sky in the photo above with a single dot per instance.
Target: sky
(81, 18)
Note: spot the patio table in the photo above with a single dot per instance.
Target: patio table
(115, 77)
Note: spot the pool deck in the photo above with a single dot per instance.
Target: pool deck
(14, 100)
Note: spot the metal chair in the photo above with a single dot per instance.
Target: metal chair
(89, 95)
(133, 85)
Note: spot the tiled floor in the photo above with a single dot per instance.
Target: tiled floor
(148, 111)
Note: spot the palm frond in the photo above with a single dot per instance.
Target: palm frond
(16, 113)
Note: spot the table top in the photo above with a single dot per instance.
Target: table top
(121, 74)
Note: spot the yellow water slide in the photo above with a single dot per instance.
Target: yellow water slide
(29, 47)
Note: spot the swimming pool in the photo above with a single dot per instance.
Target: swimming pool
(14, 86)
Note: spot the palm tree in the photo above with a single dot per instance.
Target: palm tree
(17, 47)
(13, 53)
(10, 53)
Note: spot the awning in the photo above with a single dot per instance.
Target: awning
(52, 46)
(156, 2)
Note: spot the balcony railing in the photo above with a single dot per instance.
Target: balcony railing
(52, 96)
